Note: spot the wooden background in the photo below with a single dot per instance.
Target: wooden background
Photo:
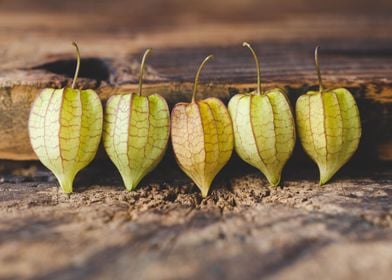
(36, 52)
(164, 229)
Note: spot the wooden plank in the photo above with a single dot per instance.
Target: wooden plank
(243, 230)
(170, 73)
(355, 53)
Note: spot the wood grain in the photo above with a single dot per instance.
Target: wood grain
(164, 229)
(355, 53)
(243, 230)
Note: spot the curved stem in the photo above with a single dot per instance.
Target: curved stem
(77, 64)
(142, 70)
(245, 44)
(197, 76)
(321, 87)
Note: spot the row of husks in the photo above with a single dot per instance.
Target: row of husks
(66, 126)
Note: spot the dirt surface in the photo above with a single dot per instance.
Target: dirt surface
(165, 230)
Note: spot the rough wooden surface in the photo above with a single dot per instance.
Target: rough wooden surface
(165, 230)
(355, 53)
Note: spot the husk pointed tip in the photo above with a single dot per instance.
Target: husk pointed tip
(204, 192)
(66, 187)
(324, 180)
(65, 182)
(204, 187)
(67, 191)
(130, 189)
(325, 177)
(275, 184)
(131, 186)
(273, 179)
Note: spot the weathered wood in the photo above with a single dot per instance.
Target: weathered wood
(170, 73)
(243, 230)
(164, 230)
(356, 53)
